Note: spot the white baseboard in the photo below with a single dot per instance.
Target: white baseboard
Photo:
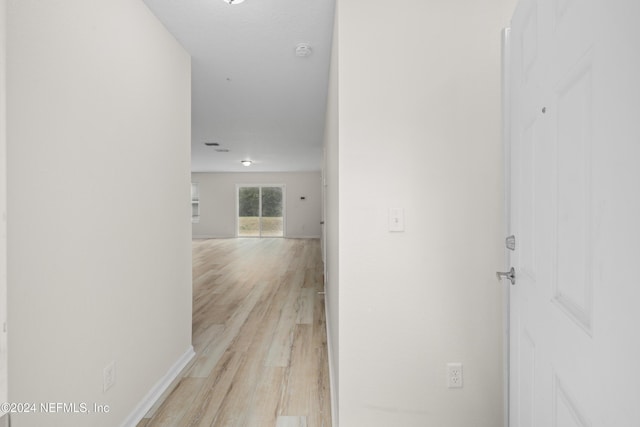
(157, 390)
(210, 236)
(332, 385)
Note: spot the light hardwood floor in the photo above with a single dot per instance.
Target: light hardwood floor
(260, 338)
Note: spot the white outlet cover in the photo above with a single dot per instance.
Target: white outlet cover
(454, 375)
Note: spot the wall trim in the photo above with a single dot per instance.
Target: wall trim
(208, 236)
(158, 390)
(332, 385)
(211, 236)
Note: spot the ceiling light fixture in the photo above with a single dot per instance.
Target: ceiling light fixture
(233, 1)
(246, 162)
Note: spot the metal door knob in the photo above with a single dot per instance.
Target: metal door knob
(511, 275)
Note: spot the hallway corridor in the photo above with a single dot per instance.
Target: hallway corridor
(259, 334)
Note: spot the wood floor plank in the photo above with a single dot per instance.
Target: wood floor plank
(261, 325)
(259, 333)
(208, 401)
(319, 410)
(205, 336)
(280, 349)
(292, 422)
(212, 353)
(178, 403)
(265, 401)
(301, 384)
(236, 408)
(306, 304)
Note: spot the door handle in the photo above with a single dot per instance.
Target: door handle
(511, 275)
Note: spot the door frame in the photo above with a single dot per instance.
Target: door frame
(284, 208)
(4, 367)
(506, 161)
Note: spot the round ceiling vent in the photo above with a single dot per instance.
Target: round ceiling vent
(303, 50)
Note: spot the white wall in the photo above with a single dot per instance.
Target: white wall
(99, 253)
(419, 129)
(218, 202)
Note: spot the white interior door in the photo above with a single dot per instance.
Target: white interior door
(575, 212)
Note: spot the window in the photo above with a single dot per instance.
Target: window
(260, 211)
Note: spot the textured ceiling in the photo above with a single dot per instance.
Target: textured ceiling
(250, 92)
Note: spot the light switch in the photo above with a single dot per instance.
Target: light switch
(396, 219)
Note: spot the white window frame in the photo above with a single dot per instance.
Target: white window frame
(284, 208)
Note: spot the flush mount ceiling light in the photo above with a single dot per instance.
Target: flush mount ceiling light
(246, 162)
(233, 1)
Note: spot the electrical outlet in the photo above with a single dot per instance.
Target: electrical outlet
(454, 375)
(109, 376)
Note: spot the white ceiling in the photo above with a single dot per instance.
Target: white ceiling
(250, 92)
